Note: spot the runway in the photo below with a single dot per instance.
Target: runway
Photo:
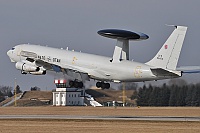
(116, 118)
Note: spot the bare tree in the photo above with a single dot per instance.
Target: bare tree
(35, 88)
(6, 91)
(17, 90)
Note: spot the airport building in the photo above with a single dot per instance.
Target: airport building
(64, 96)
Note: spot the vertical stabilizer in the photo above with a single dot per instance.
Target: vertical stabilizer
(168, 55)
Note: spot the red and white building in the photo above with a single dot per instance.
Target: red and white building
(64, 96)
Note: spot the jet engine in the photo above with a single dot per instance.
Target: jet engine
(26, 67)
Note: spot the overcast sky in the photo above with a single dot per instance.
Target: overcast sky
(74, 24)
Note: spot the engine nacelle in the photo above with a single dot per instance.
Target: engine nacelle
(41, 72)
(26, 67)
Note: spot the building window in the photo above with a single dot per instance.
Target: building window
(56, 95)
(61, 85)
(74, 95)
(69, 95)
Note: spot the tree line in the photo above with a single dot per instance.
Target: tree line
(168, 95)
(7, 91)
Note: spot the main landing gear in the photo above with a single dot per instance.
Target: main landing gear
(102, 85)
(76, 84)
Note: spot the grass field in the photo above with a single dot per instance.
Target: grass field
(102, 111)
(91, 126)
(83, 126)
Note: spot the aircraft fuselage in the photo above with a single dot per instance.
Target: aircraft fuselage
(98, 67)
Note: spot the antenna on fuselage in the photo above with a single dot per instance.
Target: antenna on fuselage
(123, 36)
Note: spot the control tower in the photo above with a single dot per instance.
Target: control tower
(64, 96)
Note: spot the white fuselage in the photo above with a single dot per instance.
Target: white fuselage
(97, 67)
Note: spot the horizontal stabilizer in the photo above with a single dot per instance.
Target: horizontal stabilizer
(163, 73)
(189, 69)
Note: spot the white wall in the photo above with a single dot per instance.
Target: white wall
(68, 98)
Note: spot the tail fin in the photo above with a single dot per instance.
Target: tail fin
(168, 55)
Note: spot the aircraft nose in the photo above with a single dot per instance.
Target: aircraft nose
(9, 53)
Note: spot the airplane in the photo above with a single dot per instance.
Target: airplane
(37, 60)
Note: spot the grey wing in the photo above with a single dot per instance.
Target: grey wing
(75, 72)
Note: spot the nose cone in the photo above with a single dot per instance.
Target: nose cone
(9, 53)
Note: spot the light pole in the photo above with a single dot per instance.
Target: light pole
(124, 85)
(15, 92)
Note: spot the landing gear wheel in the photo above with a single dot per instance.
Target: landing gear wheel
(76, 84)
(80, 84)
(71, 83)
(107, 85)
(98, 84)
(103, 86)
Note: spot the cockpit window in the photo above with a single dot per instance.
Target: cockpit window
(13, 48)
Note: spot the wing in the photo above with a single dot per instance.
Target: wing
(85, 73)
(77, 72)
(74, 72)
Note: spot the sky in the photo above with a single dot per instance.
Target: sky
(74, 24)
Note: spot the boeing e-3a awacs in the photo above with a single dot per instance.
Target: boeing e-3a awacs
(36, 60)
